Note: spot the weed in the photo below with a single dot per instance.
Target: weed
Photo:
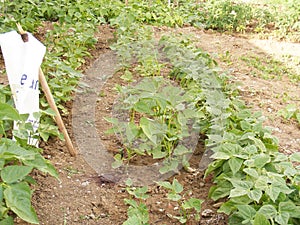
(268, 68)
(291, 111)
(187, 206)
(137, 212)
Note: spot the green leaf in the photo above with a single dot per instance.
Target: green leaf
(140, 193)
(40, 163)
(246, 212)
(261, 160)
(273, 192)
(165, 184)
(237, 192)
(268, 210)
(262, 182)
(227, 207)
(157, 153)
(245, 125)
(173, 197)
(1, 193)
(7, 112)
(132, 131)
(252, 172)
(18, 199)
(222, 190)
(127, 76)
(295, 157)
(118, 161)
(235, 164)
(260, 219)
(143, 107)
(12, 174)
(111, 120)
(181, 150)
(221, 155)
(193, 203)
(258, 143)
(282, 218)
(7, 221)
(255, 195)
(177, 187)
(289, 207)
(242, 184)
(129, 182)
(152, 129)
(169, 165)
(2, 163)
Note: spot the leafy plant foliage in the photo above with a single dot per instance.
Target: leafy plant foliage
(260, 184)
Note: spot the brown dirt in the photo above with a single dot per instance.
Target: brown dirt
(80, 197)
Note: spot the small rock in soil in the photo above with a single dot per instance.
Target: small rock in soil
(207, 213)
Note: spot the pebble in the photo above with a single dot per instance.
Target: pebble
(86, 183)
(103, 215)
(207, 213)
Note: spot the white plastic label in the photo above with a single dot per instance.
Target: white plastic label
(22, 62)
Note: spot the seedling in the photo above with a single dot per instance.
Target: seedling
(186, 206)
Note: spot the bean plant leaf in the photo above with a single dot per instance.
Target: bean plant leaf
(273, 192)
(118, 161)
(7, 112)
(258, 143)
(157, 153)
(220, 191)
(169, 165)
(262, 182)
(177, 187)
(282, 218)
(10, 150)
(268, 210)
(235, 164)
(41, 164)
(18, 199)
(221, 155)
(237, 192)
(1, 193)
(131, 131)
(165, 184)
(295, 157)
(151, 129)
(247, 212)
(7, 221)
(251, 172)
(289, 207)
(173, 197)
(193, 203)
(255, 194)
(181, 150)
(261, 160)
(260, 219)
(143, 107)
(2, 163)
(12, 174)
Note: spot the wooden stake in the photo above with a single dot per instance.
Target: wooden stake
(58, 119)
(50, 99)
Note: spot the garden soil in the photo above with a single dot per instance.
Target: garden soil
(81, 196)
